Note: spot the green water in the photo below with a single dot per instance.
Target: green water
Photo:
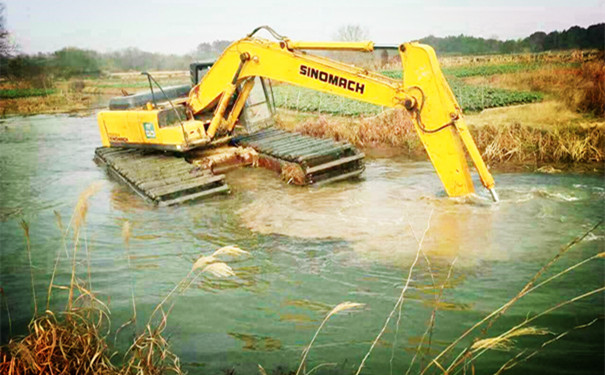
(311, 248)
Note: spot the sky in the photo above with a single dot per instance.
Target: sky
(178, 26)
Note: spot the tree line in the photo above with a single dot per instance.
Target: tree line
(70, 62)
(576, 37)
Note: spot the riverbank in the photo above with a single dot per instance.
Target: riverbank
(563, 130)
(540, 136)
(80, 95)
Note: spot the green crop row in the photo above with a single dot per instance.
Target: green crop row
(477, 98)
(487, 69)
(307, 100)
(24, 93)
(470, 98)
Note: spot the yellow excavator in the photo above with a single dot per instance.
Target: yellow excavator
(178, 121)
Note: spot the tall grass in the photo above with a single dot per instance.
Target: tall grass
(581, 88)
(392, 128)
(74, 341)
(478, 346)
(518, 143)
(502, 143)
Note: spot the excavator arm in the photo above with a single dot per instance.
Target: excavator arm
(424, 93)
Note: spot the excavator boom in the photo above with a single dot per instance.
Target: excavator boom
(424, 93)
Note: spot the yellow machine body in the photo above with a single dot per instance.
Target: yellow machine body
(222, 92)
(141, 128)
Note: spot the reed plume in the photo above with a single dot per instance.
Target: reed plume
(341, 307)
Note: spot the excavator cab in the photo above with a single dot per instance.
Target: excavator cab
(259, 111)
(259, 108)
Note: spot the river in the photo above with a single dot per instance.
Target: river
(310, 249)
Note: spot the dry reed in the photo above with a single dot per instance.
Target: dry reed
(390, 128)
(74, 341)
(499, 144)
(518, 143)
(431, 325)
(57, 258)
(528, 288)
(78, 219)
(401, 298)
(341, 307)
(58, 346)
(505, 342)
(521, 328)
(25, 227)
(126, 238)
(519, 357)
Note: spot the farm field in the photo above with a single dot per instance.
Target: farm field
(24, 93)
(470, 97)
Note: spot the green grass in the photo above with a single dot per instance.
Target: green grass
(489, 69)
(24, 93)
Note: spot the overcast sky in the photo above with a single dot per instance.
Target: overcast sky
(178, 26)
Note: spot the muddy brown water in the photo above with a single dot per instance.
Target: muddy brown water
(311, 248)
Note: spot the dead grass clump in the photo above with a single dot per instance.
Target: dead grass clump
(74, 341)
(150, 353)
(71, 345)
(325, 126)
(581, 88)
(500, 139)
(592, 98)
(547, 114)
(223, 158)
(518, 143)
(392, 128)
(293, 174)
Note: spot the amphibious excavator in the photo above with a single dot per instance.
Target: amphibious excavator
(154, 141)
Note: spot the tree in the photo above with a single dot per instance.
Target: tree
(6, 47)
(71, 61)
(203, 51)
(536, 41)
(352, 33)
(218, 46)
(595, 36)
